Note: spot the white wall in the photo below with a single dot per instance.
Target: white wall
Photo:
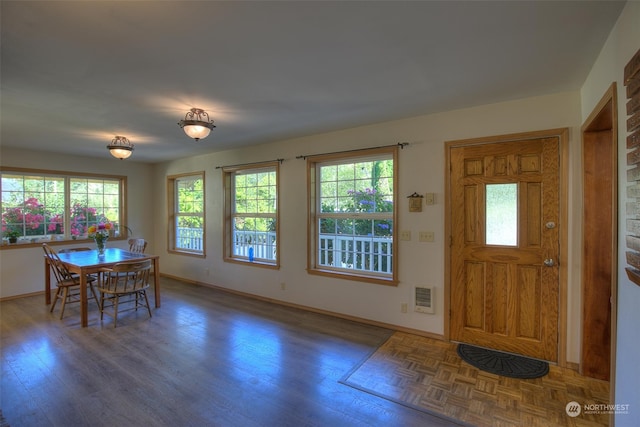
(21, 268)
(622, 44)
(422, 170)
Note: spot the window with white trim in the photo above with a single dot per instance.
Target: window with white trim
(352, 214)
(251, 212)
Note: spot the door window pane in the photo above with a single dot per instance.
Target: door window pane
(502, 214)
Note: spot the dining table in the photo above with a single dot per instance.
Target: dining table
(91, 262)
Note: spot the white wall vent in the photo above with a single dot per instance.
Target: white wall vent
(424, 299)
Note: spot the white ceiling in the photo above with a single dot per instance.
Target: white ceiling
(75, 74)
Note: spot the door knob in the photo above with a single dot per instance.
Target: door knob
(549, 262)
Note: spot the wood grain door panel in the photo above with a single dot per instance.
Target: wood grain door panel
(504, 296)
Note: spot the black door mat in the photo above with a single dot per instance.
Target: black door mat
(500, 363)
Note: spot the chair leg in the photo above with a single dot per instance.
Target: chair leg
(115, 310)
(65, 295)
(55, 299)
(144, 293)
(101, 305)
(93, 292)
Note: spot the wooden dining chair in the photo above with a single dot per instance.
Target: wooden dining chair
(137, 245)
(125, 282)
(68, 284)
(82, 249)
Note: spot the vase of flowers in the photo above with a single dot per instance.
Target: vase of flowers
(100, 233)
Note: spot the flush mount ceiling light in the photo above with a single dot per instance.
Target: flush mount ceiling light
(196, 124)
(120, 147)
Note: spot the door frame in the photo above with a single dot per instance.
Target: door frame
(563, 139)
(603, 117)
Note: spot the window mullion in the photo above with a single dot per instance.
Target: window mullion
(67, 208)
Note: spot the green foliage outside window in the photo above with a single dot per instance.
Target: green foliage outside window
(365, 187)
(255, 201)
(190, 202)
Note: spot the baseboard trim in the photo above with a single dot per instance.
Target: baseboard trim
(12, 297)
(311, 309)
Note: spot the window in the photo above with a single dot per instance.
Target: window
(352, 215)
(58, 206)
(251, 212)
(187, 213)
(502, 214)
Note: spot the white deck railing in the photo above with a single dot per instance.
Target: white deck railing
(354, 252)
(263, 244)
(189, 238)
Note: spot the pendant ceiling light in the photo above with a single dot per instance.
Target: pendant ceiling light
(196, 124)
(120, 147)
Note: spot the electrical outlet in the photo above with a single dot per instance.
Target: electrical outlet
(405, 235)
(283, 286)
(403, 307)
(426, 236)
(430, 198)
(206, 271)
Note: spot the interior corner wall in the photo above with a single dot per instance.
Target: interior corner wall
(622, 44)
(421, 170)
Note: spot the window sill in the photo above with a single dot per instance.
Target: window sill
(391, 281)
(253, 263)
(187, 253)
(37, 243)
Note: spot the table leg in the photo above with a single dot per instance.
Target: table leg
(156, 280)
(47, 281)
(83, 299)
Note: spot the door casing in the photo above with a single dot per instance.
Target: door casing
(600, 238)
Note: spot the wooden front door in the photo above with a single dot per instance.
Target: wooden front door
(504, 216)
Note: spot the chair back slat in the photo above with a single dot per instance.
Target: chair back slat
(137, 245)
(126, 277)
(60, 270)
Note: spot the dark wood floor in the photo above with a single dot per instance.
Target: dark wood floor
(206, 358)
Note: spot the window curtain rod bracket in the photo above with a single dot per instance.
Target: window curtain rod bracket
(249, 164)
(399, 144)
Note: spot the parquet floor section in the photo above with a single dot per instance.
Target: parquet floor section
(429, 375)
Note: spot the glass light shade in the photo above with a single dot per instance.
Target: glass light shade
(196, 131)
(120, 148)
(120, 153)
